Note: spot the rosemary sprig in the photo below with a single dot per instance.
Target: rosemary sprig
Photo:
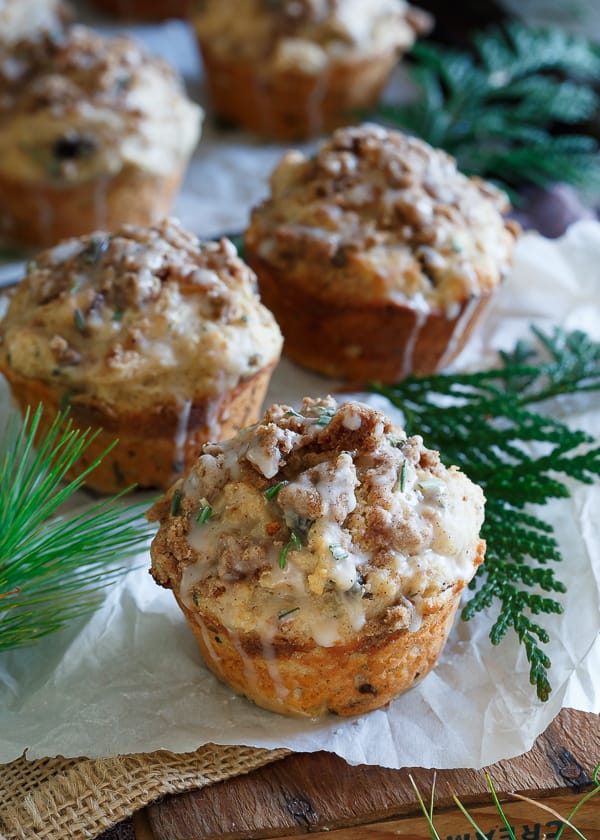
(482, 423)
(54, 568)
(502, 110)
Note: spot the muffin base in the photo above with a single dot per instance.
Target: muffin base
(292, 104)
(39, 214)
(369, 341)
(154, 445)
(310, 680)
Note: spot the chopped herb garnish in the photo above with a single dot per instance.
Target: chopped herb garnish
(285, 613)
(293, 542)
(117, 315)
(176, 503)
(79, 319)
(401, 480)
(338, 552)
(403, 476)
(396, 441)
(205, 512)
(271, 492)
(324, 414)
(95, 249)
(291, 412)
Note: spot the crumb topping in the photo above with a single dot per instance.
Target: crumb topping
(387, 217)
(309, 34)
(28, 18)
(318, 523)
(139, 312)
(76, 104)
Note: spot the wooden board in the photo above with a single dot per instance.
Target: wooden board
(318, 791)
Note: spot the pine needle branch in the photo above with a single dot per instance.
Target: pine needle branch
(54, 568)
(484, 423)
(503, 108)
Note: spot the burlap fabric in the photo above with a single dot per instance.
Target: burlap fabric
(55, 798)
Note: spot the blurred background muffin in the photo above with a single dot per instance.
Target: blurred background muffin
(319, 557)
(377, 256)
(147, 335)
(142, 10)
(94, 133)
(297, 68)
(26, 18)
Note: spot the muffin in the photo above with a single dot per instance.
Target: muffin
(319, 557)
(146, 9)
(94, 133)
(149, 337)
(298, 68)
(377, 256)
(24, 18)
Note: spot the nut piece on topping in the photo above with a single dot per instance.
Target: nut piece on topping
(317, 552)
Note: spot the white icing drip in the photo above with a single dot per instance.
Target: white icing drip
(325, 630)
(208, 643)
(270, 659)
(181, 434)
(416, 613)
(65, 250)
(203, 538)
(355, 611)
(190, 576)
(458, 330)
(352, 420)
(409, 349)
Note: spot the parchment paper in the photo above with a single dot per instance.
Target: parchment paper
(130, 677)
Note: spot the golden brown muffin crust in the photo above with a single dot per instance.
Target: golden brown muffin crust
(319, 557)
(137, 316)
(377, 215)
(308, 34)
(318, 524)
(75, 104)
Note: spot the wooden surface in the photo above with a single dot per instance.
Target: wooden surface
(318, 791)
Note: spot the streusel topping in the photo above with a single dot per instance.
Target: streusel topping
(28, 18)
(308, 34)
(384, 216)
(77, 104)
(316, 524)
(141, 312)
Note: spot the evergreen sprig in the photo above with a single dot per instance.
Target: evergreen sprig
(53, 567)
(501, 110)
(483, 423)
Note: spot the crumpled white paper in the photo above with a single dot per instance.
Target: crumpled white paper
(130, 678)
